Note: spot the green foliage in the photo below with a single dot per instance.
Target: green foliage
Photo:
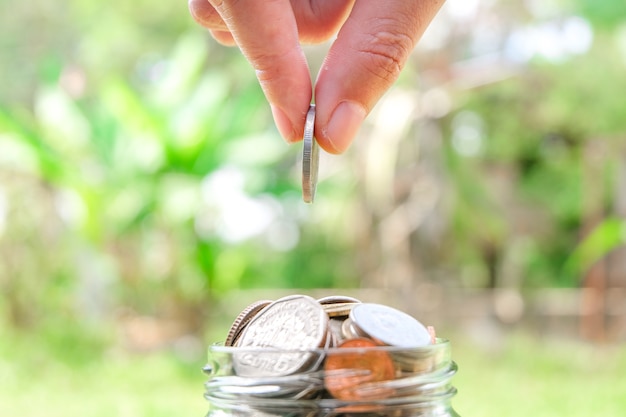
(141, 175)
(604, 238)
(141, 178)
(123, 157)
(145, 155)
(531, 177)
(603, 13)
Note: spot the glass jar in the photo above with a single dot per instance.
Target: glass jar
(381, 381)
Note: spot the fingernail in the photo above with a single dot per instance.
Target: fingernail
(344, 125)
(283, 124)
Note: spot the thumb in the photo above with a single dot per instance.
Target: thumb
(363, 63)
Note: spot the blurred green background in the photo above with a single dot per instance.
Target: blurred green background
(146, 197)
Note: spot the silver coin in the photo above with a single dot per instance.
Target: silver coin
(334, 327)
(310, 157)
(292, 326)
(242, 320)
(389, 326)
(350, 331)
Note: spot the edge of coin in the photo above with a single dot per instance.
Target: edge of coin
(243, 319)
(309, 152)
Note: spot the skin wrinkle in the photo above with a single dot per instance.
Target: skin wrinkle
(318, 20)
(387, 53)
(264, 63)
(371, 42)
(206, 15)
(313, 10)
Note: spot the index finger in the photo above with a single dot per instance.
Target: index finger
(267, 34)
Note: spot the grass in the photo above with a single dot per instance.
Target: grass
(531, 377)
(524, 377)
(38, 379)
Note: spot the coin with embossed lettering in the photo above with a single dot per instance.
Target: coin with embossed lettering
(242, 320)
(285, 332)
(389, 326)
(356, 374)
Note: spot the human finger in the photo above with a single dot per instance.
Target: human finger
(317, 20)
(224, 37)
(364, 61)
(267, 35)
(205, 15)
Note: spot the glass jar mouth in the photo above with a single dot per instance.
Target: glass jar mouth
(330, 378)
(440, 344)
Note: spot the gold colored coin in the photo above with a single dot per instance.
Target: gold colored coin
(338, 310)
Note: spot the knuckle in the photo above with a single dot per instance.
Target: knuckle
(265, 67)
(386, 51)
(267, 75)
(272, 65)
(224, 7)
(205, 14)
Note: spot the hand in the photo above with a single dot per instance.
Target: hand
(374, 42)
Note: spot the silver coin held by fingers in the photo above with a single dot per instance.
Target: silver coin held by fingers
(310, 158)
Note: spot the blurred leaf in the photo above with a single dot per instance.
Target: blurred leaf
(603, 13)
(604, 238)
(20, 128)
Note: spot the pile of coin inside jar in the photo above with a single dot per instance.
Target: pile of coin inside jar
(338, 351)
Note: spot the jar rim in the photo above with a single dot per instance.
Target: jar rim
(441, 343)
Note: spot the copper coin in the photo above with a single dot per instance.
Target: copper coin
(433, 334)
(243, 319)
(352, 375)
